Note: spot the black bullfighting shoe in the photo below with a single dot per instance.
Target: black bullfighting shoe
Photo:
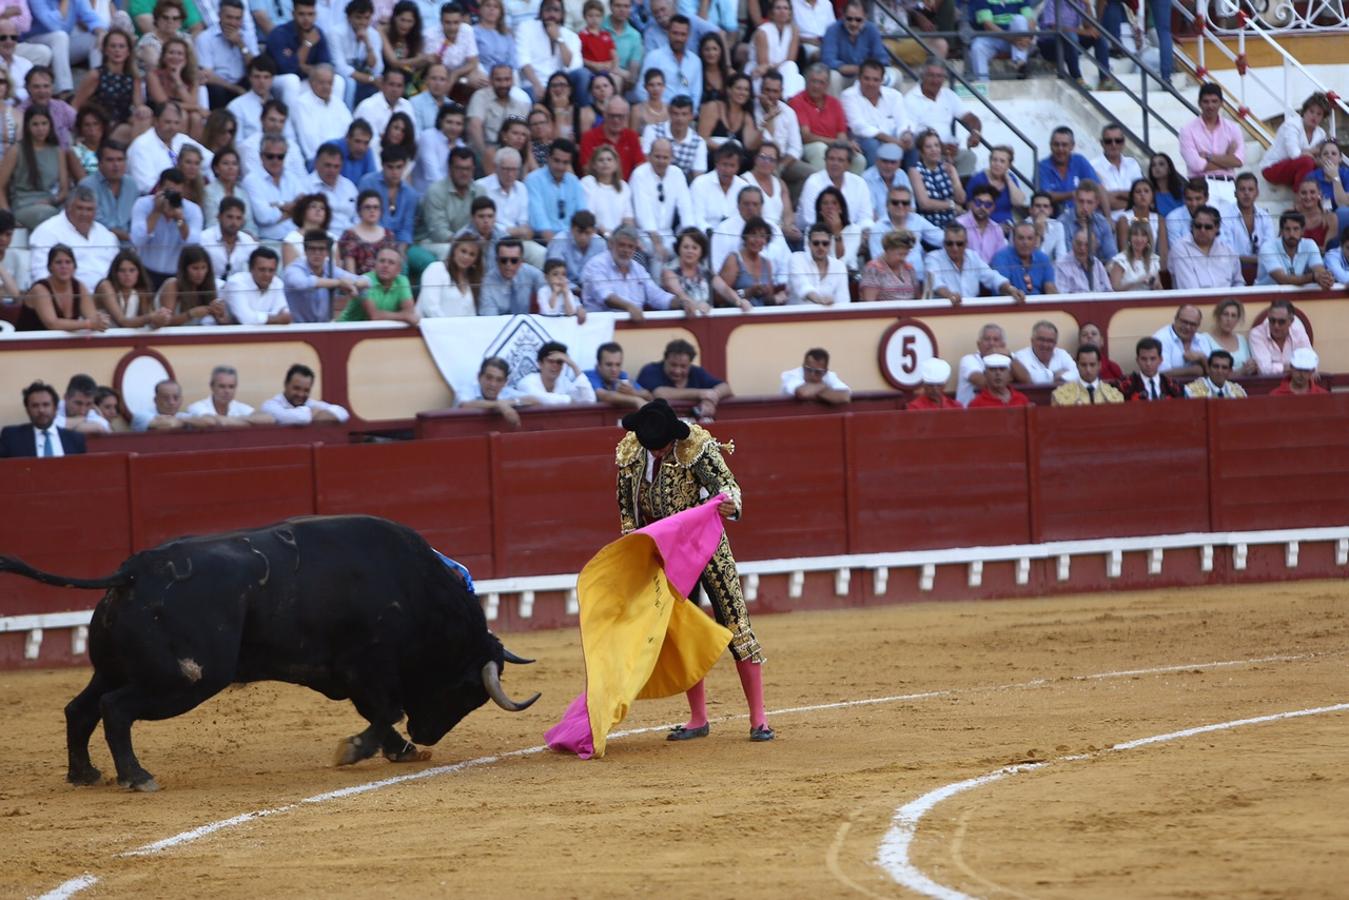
(761, 733)
(680, 733)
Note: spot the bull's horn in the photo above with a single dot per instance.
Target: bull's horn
(512, 658)
(491, 680)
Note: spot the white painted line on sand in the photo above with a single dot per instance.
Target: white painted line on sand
(893, 855)
(195, 834)
(69, 888)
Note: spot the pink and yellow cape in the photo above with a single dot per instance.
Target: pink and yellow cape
(640, 635)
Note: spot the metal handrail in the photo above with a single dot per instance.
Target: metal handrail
(1145, 74)
(906, 32)
(1239, 109)
(1252, 25)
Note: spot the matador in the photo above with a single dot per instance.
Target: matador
(666, 466)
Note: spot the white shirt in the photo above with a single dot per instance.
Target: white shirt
(94, 253)
(813, 20)
(316, 121)
(377, 113)
(280, 409)
(57, 448)
(1052, 245)
(345, 47)
(794, 378)
(609, 204)
(651, 212)
(249, 305)
(1249, 243)
(1290, 141)
(512, 206)
(886, 116)
(786, 131)
(148, 157)
(341, 200)
(439, 297)
(710, 203)
(568, 389)
(93, 417)
(1060, 363)
(804, 278)
(1117, 179)
(855, 192)
(970, 364)
(263, 191)
(454, 55)
(247, 112)
(939, 113)
(227, 263)
(18, 70)
(207, 408)
(1173, 350)
(534, 48)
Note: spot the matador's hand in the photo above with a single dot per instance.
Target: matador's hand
(726, 508)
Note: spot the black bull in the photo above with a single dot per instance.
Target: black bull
(354, 607)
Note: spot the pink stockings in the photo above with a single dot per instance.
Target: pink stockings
(751, 679)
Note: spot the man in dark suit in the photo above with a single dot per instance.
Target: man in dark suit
(40, 437)
(1148, 383)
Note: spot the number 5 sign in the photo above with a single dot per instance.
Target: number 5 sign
(904, 346)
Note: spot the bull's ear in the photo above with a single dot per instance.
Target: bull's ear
(512, 658)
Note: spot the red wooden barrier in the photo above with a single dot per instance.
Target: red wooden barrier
(441, 488)
(1131, 469)
(69, 516)
(555, 501)
(173, 494)
(1281, 462)
(795, 490)
(458, 422)
(218, 438)
(941, 479)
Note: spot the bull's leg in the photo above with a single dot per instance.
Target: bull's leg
(381, 735)
(359, 746)
(131, 703)
(82, 715)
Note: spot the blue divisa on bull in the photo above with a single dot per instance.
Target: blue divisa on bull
(354, 607)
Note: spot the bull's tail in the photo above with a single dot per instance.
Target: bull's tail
(19, 567)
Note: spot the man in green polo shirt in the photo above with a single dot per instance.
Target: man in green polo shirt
(389, 295)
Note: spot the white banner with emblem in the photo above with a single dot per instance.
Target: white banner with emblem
(458, 345)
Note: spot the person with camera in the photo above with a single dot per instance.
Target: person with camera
(162, 222)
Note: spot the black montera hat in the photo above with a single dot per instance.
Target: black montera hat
(656, 425)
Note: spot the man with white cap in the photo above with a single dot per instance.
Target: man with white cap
(998, 392)
(883, 176)
(992, 339)
(812, 380)
(931, 393)
(1301, 378)
(1087, 389)
(1217, 384)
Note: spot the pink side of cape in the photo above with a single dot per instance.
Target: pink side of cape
(685, 542)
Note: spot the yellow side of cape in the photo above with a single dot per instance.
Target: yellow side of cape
(641, 637)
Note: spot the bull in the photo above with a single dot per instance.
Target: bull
(354, 607)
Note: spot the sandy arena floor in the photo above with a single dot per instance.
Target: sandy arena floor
(1250, 811)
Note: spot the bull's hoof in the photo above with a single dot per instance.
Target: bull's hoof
(350, 751)
(84, 777)
(412, 754)
(143, 782)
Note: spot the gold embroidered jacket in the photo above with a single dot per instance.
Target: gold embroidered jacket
(694, 465)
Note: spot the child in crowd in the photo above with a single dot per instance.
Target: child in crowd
(555, 297)
(598, 51)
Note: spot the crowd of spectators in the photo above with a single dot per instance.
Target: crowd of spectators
(213, 162)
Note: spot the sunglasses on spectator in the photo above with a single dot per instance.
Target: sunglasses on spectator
(824, 242)
(982, 204)
(8, 38)
(508, 260)
(853, 19)
(660, 191)
(273, 156)
(1203, 226)
(953, 243)
(1118, 140)
(561, 209)
(1273, 321)
(816, 371)
(901, 203)
(370, 206)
